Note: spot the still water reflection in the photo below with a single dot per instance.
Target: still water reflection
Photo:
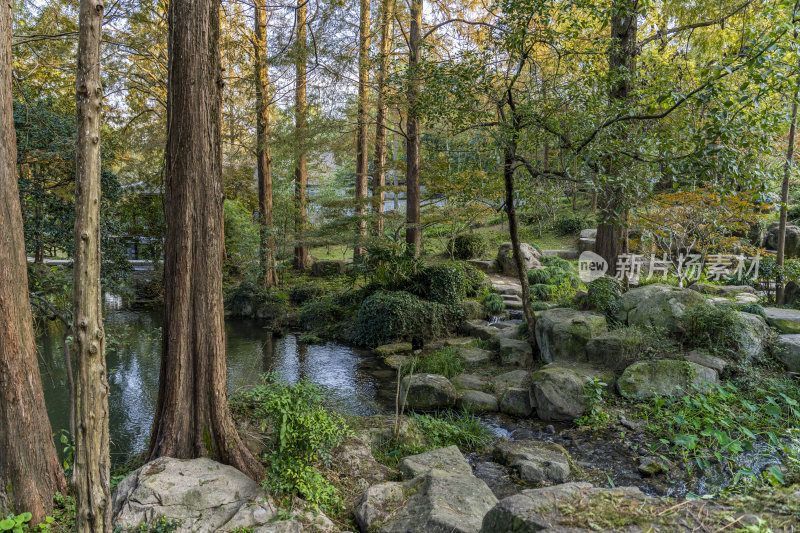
(356, 381)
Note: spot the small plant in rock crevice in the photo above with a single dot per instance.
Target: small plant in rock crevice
(444, 361)
(493, 305)
(594, 415)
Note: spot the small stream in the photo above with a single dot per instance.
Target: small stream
(358, 382)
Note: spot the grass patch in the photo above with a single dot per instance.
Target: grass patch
(444, 361)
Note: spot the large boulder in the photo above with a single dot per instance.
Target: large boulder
(784, 320)
(536, 461)
(617, 348)
(787, 350)
(471, 382)
(587, 240)
(513, 352)
(558, 394)
(202, 494)
(516, 378)
(474, 356)
(516, 401)
(664, 377)
(448, 459)
(750, 334)
(328, 267)
(792, 240)
(434, 502)
(658, 306)
(427, 392)
(487, 266)
(476, 401)
(726, 291)
(562, 333)
(505, 258)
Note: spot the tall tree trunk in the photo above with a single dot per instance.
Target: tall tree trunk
(269, 272)
(622, 69)
(192, 417)
(300, 172)
(92, 471)
(787, 167)
(413, 228)
(29, 463)
(379, 176)
(362, 128)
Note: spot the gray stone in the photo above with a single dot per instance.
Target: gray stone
(203, 494)
(791, 242)
(476, 401)
(513, 352)
(434, 502)
(487, 266)
(516, 402)
(617, 348)
(558, 394)
(590, 233)
(707, 360)
(750, 334)
(448, 459)
(784, 320)
(662, 307)
(664, 377)
(284, 526)
(428, 392)
(473, 356)
(471, 382)
(536, 461)
(505, 258)
(515, 378)
(468, 327)
(328, 267)
(562, 333)
(787, 350)
(726, 291)
(394, 348)
(651, 466)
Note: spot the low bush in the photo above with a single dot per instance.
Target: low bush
(302, 431)
(477, 283)
(325, 316)
(467, 246)
(556, 262)
(554, 275)
(445, 283)
(493, 304)
(444, 361)
(604, 294)
(300, 294)
(542, 291)
(569, 225)
(755, 309)
(711, 328)
(386, 317)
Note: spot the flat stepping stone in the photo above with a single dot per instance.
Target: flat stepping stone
(394, 348)
(471, 382)
(474, 356)
(710, 361)
(477, 401)
(784, 320)
(459, 341)
(448, 459)
(536, 461)
(516, 378)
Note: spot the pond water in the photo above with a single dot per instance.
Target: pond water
(355, 380)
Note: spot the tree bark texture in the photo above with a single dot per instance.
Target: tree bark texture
(92, 470)
(622, 69)
(787, 167)
(379, 171)
(29, 464)
(301, 259)
(192, 417)
(413, 227)
(362, 128)
(269, 271)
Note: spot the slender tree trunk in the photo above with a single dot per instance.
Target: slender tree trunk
(787, 167)
(622, 68)
(29, 464)
(269, 272)
(362, 129)
(192, 418)
(379, 176)
(413, 228)
(92, 471)
(300, 173)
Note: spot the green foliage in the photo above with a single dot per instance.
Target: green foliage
(493, 304)
(604, 294)
(386, 317)
(21, 523)
(594, 416)
(467, 246)
(300, 294)
(717, 425)
(444, 361)
(303, 432)
(390, 268)
(711, 328)
(543, 292)
(241, 242)
(755, 309)
(556, 262)
(477, 283)
(570, 224)
(160, 525)
(445, 283)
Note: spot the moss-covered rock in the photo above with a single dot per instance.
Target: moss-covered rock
(536, 461)
(618, 348)
(394, 348)
(784, 320)
(558, 394)
(472, 309)
(659, 306)
(516, 401)
(427, 392)
(476, 401)
(562, 333)
(665, 377)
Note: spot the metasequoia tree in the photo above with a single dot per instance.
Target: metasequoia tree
(361, 126)
(300, 172)
(91, 474)
(379, 171)
(269, 272)
(29, 463)
(413, 229)
(192, 417)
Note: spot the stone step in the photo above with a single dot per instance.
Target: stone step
(784, 320)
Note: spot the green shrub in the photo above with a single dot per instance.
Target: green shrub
(445, 283)
(444, 362)
(467, 246)
(542, 291)
(300, 294)
(604, 294)
(556, 262)
(303, 432)
(477, 283)
(793, 213)
(386, 317)
(711, 328)
(539, 306)
(493, 304)
(537, 276)
(755, 309)
(324, 316)
(453, 429)
(570, 225)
